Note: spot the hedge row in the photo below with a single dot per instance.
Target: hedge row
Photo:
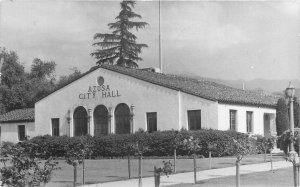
(159, 144)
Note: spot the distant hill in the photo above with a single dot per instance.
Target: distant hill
(262, 85)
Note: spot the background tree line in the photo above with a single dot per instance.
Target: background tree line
(21, 89)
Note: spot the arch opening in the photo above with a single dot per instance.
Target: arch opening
(122, 119)
(101, 121)
(80, 121)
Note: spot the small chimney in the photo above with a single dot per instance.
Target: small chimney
(157, 70)
(243, 85)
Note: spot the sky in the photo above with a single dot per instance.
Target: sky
(216, 39)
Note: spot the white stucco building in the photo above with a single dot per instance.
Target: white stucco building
(17, 125)
(110, 99)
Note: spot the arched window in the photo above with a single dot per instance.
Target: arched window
(122, 119)
(100, 120)
(80, 121)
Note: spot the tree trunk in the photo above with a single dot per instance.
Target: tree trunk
(174, 160)
(209, 160)
(140, 170)
(83, 172)
(297, 168)
(195, 170)
(295, 175)
(271, 155)
(265, 156)
(75, 175)
(156, 177)
(128, 158)
(237, 173)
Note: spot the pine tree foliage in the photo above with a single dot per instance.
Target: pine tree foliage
(296, 113)
(120, 47)
(282, 116)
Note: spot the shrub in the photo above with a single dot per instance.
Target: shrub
(21, 168)
(161, 143)
(285, 139)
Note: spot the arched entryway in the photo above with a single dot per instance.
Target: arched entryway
(122, 119)
(100, 120)
(80, 121)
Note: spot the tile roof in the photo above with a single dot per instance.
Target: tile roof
(203, 88)
(19, 115)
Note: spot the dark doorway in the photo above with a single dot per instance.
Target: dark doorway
(80, 121)
(55, 126)
(100, 120)
(151, 121)
(194, 119)
(21, 132)
(122, 119)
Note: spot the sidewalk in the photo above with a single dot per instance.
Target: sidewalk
(201, 175)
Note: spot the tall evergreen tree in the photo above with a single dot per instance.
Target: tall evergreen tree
(296, 112)
(282, 117)
(120, 47)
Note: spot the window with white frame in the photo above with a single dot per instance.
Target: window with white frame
(249, 121)
(233, 119)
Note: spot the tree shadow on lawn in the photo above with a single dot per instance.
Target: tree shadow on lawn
(117, 177)
(225, 164)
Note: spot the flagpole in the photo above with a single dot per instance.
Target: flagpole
(1, 64)
(159, 37)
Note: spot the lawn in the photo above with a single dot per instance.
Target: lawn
(281, 177)
(98, 171)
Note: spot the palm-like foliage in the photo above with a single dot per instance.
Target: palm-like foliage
(120, 46)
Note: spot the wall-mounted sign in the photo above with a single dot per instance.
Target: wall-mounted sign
(102, 91)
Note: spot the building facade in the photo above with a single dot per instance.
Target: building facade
(109, 99)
